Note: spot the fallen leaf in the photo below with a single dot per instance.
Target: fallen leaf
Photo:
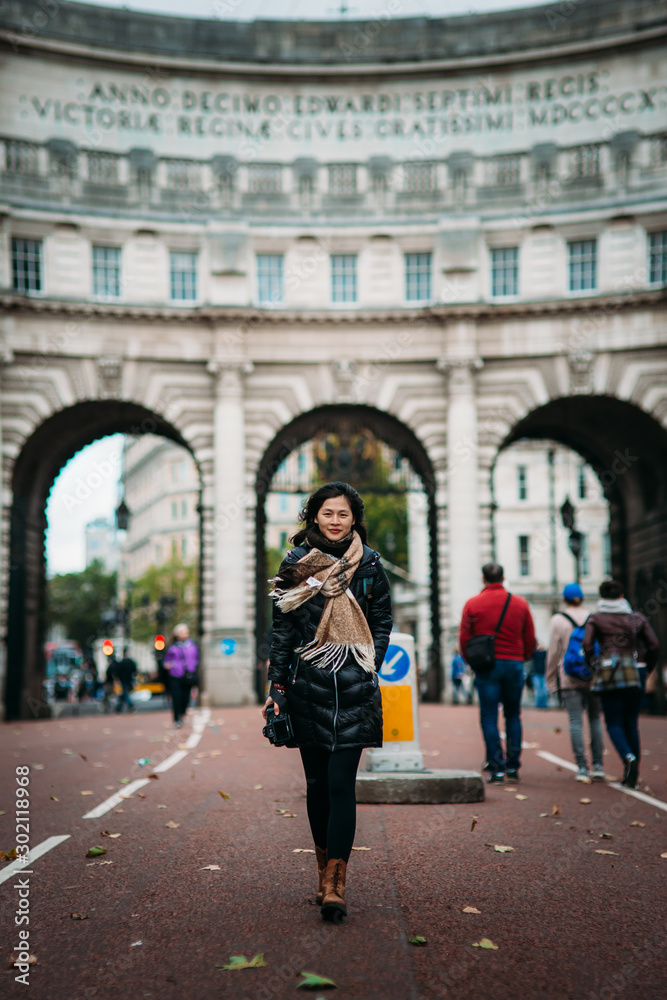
(135, 944)
(83, 756)
(171, 825)
(210, 868)
(94, 852)
(124, 781)
(162, 807)
(79, 916)
(470, 909)
(585, 802)
(419, 941)
(13, 960)
(54, 799)
(664, 854)
(485, 943)
(143, 761)
(225, 795)
(606, 836)
(599, 851)
(154, 775)
(119, 810)
(142, 795)
(473, 823)
(256, 788)
(558, 729)
(502, 848)
(87, 793)
(542, 815)
(521, 798)
(637, 822)
(555, 811)
(8, 855)
(40, 767)
(303, 850)
(241, 962)
(311, 981)
(361, 848)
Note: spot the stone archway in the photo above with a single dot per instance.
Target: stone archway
(627, 448)
(44, 453)
(388, 429)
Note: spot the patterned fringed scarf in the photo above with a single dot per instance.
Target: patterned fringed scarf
(343, 629)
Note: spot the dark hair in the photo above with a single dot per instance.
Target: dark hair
(611, 590)
(308, 512)
(493, 573)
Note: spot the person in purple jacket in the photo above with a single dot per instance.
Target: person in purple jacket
(181, 660)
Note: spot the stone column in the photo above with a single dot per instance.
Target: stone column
(462, 484)
(229, 671)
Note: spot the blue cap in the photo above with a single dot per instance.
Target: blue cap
(573, 592)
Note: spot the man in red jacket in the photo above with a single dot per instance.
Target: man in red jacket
(515, 643)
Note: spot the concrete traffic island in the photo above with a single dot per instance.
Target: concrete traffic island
(419, 787)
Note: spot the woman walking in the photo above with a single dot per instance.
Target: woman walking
(620, 678)
(181, 660)
(331, 626)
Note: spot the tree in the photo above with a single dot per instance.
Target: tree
(172, 579)
(79, 601)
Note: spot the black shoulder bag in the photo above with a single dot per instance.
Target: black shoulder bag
(481, 649)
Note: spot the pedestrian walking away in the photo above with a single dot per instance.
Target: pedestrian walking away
(331, 625)
(620, 675)
(538, 673)
(566, 632)
(507, 618)
(459, 670)
(125, 672)
(182, 661)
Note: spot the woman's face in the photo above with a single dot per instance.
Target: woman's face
(182, 633)
(334, 518)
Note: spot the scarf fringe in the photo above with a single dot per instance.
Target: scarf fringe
(334, 654)
(292, 598)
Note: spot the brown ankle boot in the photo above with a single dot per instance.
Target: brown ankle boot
(321, 856)
(333, 901)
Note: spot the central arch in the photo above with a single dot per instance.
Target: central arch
(388, 429)
(43, 455)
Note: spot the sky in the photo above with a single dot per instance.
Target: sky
(249, 10)
(86, 488)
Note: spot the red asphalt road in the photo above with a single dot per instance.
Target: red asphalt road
(568, 923)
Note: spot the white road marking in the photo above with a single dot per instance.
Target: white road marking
(35, 852)
(642, 796)
(199, 722)
(116, 799)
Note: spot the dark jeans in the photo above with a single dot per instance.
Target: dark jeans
(124, 698)
(621, 715)
(503, 686)
(180, 696)
(330, 798)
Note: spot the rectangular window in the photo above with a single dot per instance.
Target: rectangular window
(419, 178)
(585, 557)
(606, 554)
(184, 546)
(582, 265)
(587, 161)
(418, 277)
(581, 482)
(522, 482)
(343, 178)
(102, 168)
(27, 265)
(657, 252)
(284, 503)
(508, 170)
(270, 285)
(21, 158)
(182, 175)
(183, 276)
(283, 540)
(504, 272)
(265, 178)
(184, 508)
(174, 510)
(344, 277)
(106, 272)
(524, 556)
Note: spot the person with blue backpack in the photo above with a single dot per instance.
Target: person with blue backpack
(569, 676)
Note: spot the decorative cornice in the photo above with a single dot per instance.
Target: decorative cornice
(437, 314)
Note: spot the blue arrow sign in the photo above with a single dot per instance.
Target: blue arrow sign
(228, 646)
(396, 664)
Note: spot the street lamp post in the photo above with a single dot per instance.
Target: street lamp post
(575, 540)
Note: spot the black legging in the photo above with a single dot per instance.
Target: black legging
(330, 798)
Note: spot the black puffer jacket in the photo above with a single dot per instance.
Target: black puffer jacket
(341, 710)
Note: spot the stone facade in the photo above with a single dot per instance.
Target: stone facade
(230, 234)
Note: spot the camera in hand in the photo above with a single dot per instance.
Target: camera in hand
(278, 729)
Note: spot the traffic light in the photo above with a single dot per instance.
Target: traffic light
(159, 643)
(107, 647)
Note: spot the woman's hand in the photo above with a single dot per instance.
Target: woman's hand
(270, 703)
(277, 699)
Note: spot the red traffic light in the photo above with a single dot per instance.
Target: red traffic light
(159, 643)
(107, 647)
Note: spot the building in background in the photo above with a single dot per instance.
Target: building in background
(102, 543)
